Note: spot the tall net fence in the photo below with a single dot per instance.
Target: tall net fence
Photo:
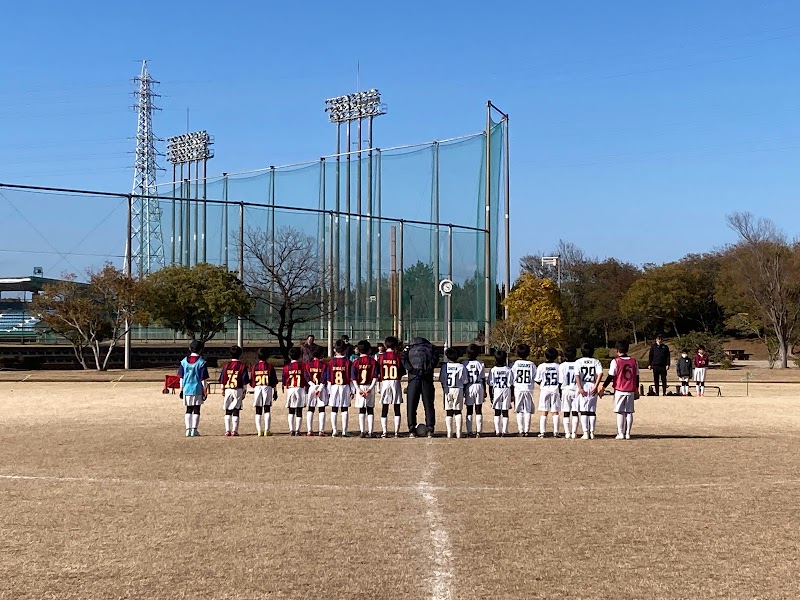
(379, 229)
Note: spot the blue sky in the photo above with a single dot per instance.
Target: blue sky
(636, 126)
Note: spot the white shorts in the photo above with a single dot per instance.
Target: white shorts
(391, 391)
(502, 399)
(263, 395)
(550, 402)
(569, 401)
(623, 402)
(295, 397)
(474, 395)
(232, 399)
(700, 375)
(367, 401)
(587, 403)
(339, 396)
(315, 401)
(454, 399)
(523, 401)
(193, 399)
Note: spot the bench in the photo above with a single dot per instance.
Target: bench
(737, 354)
(710, 387)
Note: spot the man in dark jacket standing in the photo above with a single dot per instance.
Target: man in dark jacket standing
(308, 349)
(419, 360)
(658, 362)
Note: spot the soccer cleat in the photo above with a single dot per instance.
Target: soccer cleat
(591, 435)
(309, 434)
(267, 433)
(574, 435)
(362, 435)
(627, 436)
(384, 436)
(477, 435)
(195, 433)
(619, 437)
(430, 434)
(259, 433)
(397, 434)
(235, 433)
(188, 433)
(346, 434)
(556, 435)
(322, 434)
(449, 435)
(541, 435)
(411, 435)
(227, 434)
(585, 435)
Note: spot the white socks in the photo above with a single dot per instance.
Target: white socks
(384, 422)
(497, 429)
(555, 424)
(574, 420)
(297, 422)
(344, 421)
(628, 423)
(448, 421)
(187, 418)
(592, 421)
(469, 424)
(321, 420)
(542, 423)
(235, 423)
(520, 423)
(370, 423)
(258, 424)
(310, 420)
(479, 423)
(526, 421)
(267, 421)
(567, 431)
(505, 425)
(620, 423)
(397, 424)
(228, 423)
(361, 421)
(290, 419)
(585, 423)
(458, 424)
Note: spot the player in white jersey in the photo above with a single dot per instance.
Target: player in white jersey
(569, 392)
(475, 393)
(588, 373)
(500, 381)
(524, 372)
(453, 377)
(549, 396)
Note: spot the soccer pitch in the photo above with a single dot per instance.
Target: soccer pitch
(102, 496)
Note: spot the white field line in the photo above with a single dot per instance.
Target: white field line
(441, 553)
(409, 489)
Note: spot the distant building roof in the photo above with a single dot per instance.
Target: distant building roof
(25, 284)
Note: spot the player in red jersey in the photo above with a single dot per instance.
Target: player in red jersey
(340, 387)
(365, 376)
(700, 365)
(317, 377)
(624, 372)
(295, 385)
(234, 379)
(390, 374)
(265, 388)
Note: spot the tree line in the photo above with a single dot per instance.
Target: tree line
(750, 287)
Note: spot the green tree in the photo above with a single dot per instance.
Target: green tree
(93, 316)
(196, 301)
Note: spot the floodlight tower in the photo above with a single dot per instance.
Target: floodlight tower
(148, 245)
(187, 150)
(346, 109)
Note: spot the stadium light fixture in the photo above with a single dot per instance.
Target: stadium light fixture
(189, 147)
(352, 107)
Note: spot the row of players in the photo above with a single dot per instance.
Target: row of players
(572, 386)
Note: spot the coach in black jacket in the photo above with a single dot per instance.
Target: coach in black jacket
(658, 362)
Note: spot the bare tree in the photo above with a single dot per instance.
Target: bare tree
(508, 333)
(93, 314)
(762, 278)
(285, 276)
